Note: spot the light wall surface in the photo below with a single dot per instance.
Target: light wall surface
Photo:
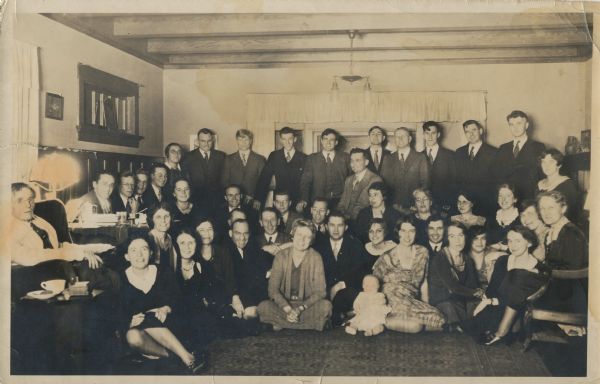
(61, 50)
(555, 95)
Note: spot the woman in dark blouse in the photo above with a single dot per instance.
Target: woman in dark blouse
(506, 218)
(184, 212)
(422, 203)
(566, 248)
(551, 161)
(161, 243)
(453, 283)
(148, 300)
(378, 208)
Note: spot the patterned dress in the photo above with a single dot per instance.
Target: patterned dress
(402, 286)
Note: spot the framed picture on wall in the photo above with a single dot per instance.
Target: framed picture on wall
(54, 106)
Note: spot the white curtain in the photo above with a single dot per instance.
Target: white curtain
(264, 110)
(26, 110)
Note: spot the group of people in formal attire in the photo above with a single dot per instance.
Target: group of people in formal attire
(409, 241)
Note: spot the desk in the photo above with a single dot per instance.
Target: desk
(114, 234)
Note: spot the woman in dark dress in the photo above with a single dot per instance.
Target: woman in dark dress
(161, 243)
(551, 161)
(184, 212)
(148, 304)
(506, 218)
(566, 248)
(218, 269)
(515, 277)
(378, 208)
(453, 283)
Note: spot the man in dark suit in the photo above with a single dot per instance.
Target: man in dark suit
(405, 171)
(99, 196)
(376, 151)
(141, 184)
(442, 168)
(233, 200)
(156, 192)
(436, 227)
(251, 269)
(282, 203)
(173, 156)
(122, 199)
(474, 169)
(324, 172)
(284, 166)
(344, 258)
(356, 187)
(244, 166)
(318, 216)
(517, 161)
(204, 166)
(269, 222)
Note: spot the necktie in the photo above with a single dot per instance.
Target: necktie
(472, 153)
(128, 206)
(288, 157)
(516, 149)
(43, 235)
(328, 159)
(430, 156)
(336, 250)
(402, 158)
(270, 241)
(205, 155)
(376, 159)
(244, 160)
(159, 195)
(355, 182)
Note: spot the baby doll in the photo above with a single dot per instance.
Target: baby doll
(370, 308)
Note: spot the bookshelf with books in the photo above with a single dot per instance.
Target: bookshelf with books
(108, 106)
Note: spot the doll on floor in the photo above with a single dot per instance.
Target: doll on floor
(370, 308)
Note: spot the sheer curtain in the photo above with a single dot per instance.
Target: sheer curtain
(26, 110)
(264, 110)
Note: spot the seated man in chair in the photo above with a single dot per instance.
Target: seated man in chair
(32, 241)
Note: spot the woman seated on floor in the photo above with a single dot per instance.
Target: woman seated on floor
(453, 283)
(147, 298)
(515, 277)
(402, 271)
(378, 245)
(483, 256)
(465, 203)
(161, 243)
(506, 218)
(202, 294)
(566, 248)
(297, 285)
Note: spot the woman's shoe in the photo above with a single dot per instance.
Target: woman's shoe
(495, 340)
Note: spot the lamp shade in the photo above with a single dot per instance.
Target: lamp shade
(57, 170)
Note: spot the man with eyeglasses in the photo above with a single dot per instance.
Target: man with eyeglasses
(122, 199)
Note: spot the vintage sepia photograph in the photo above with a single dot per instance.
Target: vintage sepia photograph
(272, 190)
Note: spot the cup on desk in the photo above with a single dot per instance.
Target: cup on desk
(122, 217)
(56, 286)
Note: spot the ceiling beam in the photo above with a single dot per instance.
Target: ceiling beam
(382, 56)
(268, 24)
(373, 41)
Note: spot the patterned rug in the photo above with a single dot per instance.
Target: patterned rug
(334, 353)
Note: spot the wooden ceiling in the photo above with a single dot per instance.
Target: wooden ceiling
(280, 40)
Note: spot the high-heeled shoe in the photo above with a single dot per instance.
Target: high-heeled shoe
(496, 340)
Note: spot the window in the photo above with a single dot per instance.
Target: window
(108, 108)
